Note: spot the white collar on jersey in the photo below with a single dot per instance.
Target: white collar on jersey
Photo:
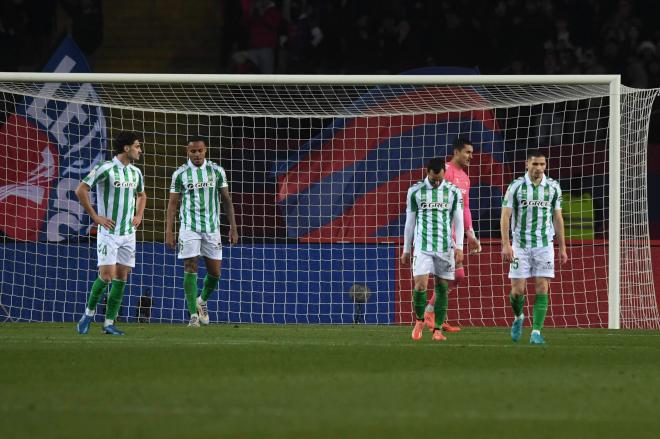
(429, 185)
(190, 163)
(544, 180)
(118, 162)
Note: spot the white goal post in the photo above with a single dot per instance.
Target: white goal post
(318, 166)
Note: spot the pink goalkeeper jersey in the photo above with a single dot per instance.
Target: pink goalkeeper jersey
(460, 179)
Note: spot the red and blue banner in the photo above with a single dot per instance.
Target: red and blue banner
(349, 182)
(46, 147)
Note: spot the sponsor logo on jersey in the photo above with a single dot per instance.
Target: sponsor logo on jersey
(201, 185)
(125, 184)
(535, 203)
(433, 205)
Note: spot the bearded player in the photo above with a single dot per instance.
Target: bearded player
(456, 173)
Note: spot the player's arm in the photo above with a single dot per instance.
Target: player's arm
(228, 208)
(505, 222)
(172, 205)
(139, 208)
(82, 192)
(408, 232)
(459, 227)
(473, 242)
(505, 219)
(558, 221)
(141, 201)
(176, 188)
(409, 229)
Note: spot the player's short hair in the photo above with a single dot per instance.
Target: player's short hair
(125, 138)
(436, 164)
(460, 143)
(535, 153)
(197, 139)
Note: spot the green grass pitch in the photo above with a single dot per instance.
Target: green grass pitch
(266, 381)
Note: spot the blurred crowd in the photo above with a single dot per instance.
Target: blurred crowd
(497, 37)
(28, 28)
(383, 36)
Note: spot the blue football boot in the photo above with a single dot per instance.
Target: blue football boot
(536, 338)
(83, 324)
(111, 330)
(516, 328)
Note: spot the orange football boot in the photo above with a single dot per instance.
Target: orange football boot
(438, 335)
(449, 328)
(418, 329)
(429, 320)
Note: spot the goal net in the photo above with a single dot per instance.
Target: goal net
(318, 169)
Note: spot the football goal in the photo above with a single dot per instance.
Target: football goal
(318, 168)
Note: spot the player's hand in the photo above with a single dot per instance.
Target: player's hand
(233, 236)
(474, 246)
(458, 256)
(405, 258)
(507, 253)
(105, 222)
(169, 240)
(137, 220)
(563, 256)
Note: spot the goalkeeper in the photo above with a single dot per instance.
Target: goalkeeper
(198, 184)
(455, 173)
(535, 201)
(120, 202)
(433, 207)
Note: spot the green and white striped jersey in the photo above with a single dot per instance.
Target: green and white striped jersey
(434, 210)
(200, 191)
(533, 207)
(116, 188)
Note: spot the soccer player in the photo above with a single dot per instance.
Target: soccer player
(535, 201)
(121, 200)
(433, 206)
(455, 173)
(198, 184)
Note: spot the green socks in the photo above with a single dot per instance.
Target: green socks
(98, 288)
(517, 303)
(441, 299)
(419, 303)
(210, 283)
(540, 309)
(190, 287)
(114, 299)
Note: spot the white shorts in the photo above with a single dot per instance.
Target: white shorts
(193, 244)
(115, 249)
(532, 262)
(441, 264)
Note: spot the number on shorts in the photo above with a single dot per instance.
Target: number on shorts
(515, 262)
(103, 249)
